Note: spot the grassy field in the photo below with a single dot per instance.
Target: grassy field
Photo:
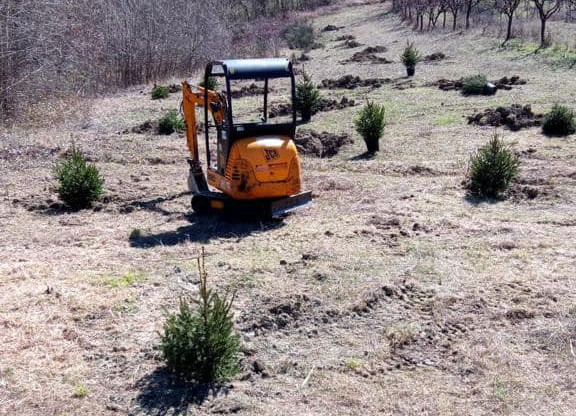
(394, 294)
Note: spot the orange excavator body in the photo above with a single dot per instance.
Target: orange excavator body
(257, 169)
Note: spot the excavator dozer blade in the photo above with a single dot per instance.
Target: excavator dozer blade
(216, 202)
(290, 203)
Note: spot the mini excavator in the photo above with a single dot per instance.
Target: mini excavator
(257, 166)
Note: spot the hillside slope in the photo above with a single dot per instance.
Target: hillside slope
(394, 294)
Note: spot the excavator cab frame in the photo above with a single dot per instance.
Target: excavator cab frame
(257, 167)
(245, 69)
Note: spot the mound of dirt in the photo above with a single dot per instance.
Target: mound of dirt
(351, 82)
(375, 49)
(323, 144)
(326, 104)
(331, 28)
(296, 311)
(248, 90)
(279, 110)
(507, 83)
(344, 38)
(515, 117)
(330, 104)
(369, 55)
(303, 58)
(174, 88)
(447, 84)
(434, 57)
(147, 127)
(501, 84)
(350, 44)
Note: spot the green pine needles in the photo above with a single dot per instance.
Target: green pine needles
(492, 168)
(370, 123)
(559, 121)
(79, 184)
(410, 56)
(159, 92)
(308, 98)
(474, 85)
(170, 123)
(199, 343)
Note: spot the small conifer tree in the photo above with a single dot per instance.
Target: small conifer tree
(199, 342)
(370, 123)
(492, 168)
(79, 184)
(307, 97)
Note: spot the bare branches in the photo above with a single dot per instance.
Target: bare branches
(546, 8)
(463, 12)
(508, 8)
(84, 46)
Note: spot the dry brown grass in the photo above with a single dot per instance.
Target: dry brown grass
(393, 294)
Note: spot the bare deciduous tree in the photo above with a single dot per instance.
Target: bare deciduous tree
(546, 9)
(508, 8)
(85, 46)
(454, 6)
(470, 5)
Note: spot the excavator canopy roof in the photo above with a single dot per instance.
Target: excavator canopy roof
(251, 68)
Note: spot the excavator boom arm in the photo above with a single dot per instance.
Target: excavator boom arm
(192, 99)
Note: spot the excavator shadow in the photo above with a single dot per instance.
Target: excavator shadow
(204, 228)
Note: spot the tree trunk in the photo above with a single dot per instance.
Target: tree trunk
(468, 12)
(509, 30)
(542, 32)
(455, 19)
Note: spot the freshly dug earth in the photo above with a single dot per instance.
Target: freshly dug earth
(369, 55)
(515, 117)
(310, 142)
(326, 104)
(434, 57)
(331, 28)
(344, 38)
(351, 82)
(303, 58)
(504, 83)
(350, 44)
(148, 126)
(249, 90)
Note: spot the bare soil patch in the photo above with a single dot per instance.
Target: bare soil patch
(310, 142)
(332, 28)
(514, 117)
(326, 104)
(506, 83)
(251, 90)
(368, 55)
(345, 38)
(503, 83)
(348, 42)
(148, 126)
(351, 82)
(434, 57)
